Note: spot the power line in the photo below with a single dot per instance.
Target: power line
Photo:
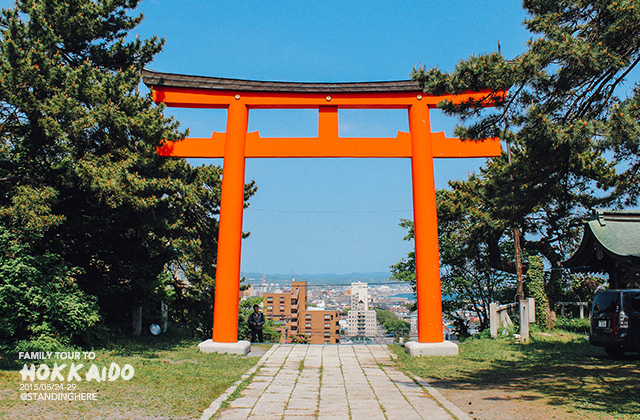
(396, 282)
(327, 211)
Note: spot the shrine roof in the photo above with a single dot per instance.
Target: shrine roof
(615, 234)
(158, 79)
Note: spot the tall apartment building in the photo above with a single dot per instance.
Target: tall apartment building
(289, 311)
(285, 307)
(360, 296)
(361, 322)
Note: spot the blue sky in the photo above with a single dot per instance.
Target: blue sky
(314, 216)
(326, 215)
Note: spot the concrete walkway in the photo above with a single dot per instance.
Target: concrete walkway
(331, 382)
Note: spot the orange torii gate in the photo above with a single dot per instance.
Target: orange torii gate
(234, 146)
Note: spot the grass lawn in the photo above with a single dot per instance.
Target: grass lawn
(561, 371)
(172, 380)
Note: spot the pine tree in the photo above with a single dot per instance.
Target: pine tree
(564, 121)
(80, 175)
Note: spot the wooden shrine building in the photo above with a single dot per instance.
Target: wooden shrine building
(610, 245)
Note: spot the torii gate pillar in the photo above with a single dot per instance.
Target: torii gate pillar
(425, 224)
(420, 145)
(230, 227)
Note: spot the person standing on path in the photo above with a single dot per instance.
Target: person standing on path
(256, 321)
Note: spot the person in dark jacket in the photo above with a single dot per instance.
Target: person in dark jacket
(256, 321)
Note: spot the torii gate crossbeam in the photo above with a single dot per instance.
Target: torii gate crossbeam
(234, 146)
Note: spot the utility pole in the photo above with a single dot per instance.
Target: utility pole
(524, 323)
(516, 231)
(516, 240)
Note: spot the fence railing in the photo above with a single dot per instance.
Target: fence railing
(581, 306)
(499, 316)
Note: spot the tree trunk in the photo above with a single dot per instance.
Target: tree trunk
(137, 321)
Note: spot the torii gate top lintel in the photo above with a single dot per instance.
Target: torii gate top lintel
(408, 89)
(239, 96)
(214, 92)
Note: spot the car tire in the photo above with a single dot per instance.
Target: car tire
(614, 351)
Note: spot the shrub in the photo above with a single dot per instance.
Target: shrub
(39, 296)
(299, 339)
(40, 344)
(575, 325)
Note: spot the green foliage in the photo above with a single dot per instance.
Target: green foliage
(405, 269)
(271, 335)
(299, 339)
(80, 178)
(583, 287)
(40, 298)
(482, 335)
(391, 323)
(573, 139)
(41, 344)
(535, 289)
(575, 325)
(624, 140)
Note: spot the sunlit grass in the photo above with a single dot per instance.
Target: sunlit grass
(171, 379)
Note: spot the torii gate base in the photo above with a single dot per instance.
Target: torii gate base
(420, 145)
(239, 347)
(444, 348)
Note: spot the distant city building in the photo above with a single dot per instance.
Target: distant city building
(248, 292)
(289, 310)
(359, 296)
(361, 322)
(320, 326)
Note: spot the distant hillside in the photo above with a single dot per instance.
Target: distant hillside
(328, 278)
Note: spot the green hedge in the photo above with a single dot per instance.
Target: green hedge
(576, 325)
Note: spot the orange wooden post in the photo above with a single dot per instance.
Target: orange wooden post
(225, 311)
(425, 226)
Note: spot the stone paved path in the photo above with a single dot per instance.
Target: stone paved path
(333, 382)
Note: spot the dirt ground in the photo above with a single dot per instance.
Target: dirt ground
(499, 403)
(519, 400)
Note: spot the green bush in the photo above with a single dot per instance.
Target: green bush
(299, 339)
(391, 323)
(575, 325)
(39, 296)
(41, 344)
(484, 334)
